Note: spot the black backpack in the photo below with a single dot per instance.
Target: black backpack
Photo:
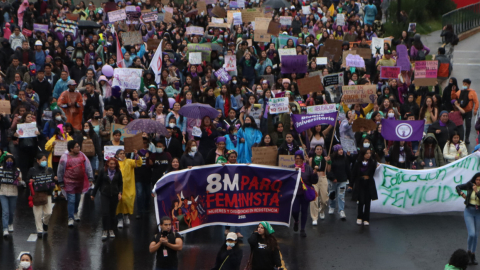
(463, 99)
(420, 55)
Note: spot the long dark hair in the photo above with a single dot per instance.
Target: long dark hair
(91, 132)
(363, 152)
(254, 125)
(270, 240)
(424, 107)
(262, 143)
(455, 133)
(396, 150)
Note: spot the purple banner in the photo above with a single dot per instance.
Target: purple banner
(223, 75)
(294, 64)
(40, 27)
(302, 122)
(226, 195)
(402, 130)
(403, 61)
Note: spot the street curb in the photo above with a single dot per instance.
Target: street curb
(469, 33)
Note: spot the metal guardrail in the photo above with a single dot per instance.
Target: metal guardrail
(463, 19)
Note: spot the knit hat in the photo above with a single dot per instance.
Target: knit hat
(267, 227)
(220, 139)
(299, 153)
(285, 80)
(337, 147)
(442, 112)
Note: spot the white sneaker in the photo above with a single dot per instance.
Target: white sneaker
(127, 220)
(70, 222)
(104, 235)
(366, 223)
(359, 221)
(76, 217)
(5, 232)
(322, 215)
(314, 223)
(120, 223)
(112, 234)
(342, 215)
(331, 211)
(10, 228)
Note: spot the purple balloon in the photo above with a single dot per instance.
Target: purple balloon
(171, 101)
(107, 70)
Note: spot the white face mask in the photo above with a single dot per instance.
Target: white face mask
(464, 87)
(86, 130)
(58, 118)
(364, 163)
(172, 125)
(24, 264)
(366, 145)
(391, 115)
(230, 244)
(159, 150)
(193, 149)
(234, 82)
(401, 148)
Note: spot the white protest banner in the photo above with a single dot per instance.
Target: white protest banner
(237, 18)
(290, 51)
(194, 30)
(117, 15)
(241, 3)
(278, 105)
(377, 46)
(306, 10)
(286, 20)
(217, 20)
(408, 192)
(322, 60)
(230, 63)
(127, 78)
(27, 130)
(195, 58)
(320, 109)
(354, 60)
(110, 151)
(341, 19)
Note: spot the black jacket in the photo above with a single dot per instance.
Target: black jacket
(108, 187)
(232, 262)
(43, 89)
(188, 160)
(340, 169)
(263, 258)
(394, 154)
(283, 149)
(19, 55)
(359, 191)
(77, 72)
(207, 142)
(445, 134)
(37, 170)
(174, 147)
(469, 188)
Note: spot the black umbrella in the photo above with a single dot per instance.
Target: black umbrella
(277, 3)
(87, 24)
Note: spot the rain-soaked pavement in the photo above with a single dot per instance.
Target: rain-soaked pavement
(391, 242)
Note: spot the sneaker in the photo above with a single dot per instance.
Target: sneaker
(314, 223)
(295, 227)
(366, 223)
(112, 234)
(359, 221)
(70, 222)
(76, 217)
(10, 228)
(5, 232)
(127, 220)
(120, 223)
(302, 233)
(104, 235)
(322, 215)
(342, 215)
(331, 211)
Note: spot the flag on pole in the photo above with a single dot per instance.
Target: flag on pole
(120, 61)
(402, 130)
(157, 63)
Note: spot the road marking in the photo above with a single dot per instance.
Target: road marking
(464, 51)
(465, 64)
(32, 238)
(283, 263)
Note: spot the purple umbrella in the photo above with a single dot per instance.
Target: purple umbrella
(148, 126)
(198, 111)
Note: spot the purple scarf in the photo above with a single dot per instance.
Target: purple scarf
(111, 174)
(233, 139)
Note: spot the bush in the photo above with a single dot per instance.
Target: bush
(421, 11)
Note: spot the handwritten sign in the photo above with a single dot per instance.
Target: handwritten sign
(341, 19)
(266, 155)
(426, 73)
(217, 20)
(355, 61)
(5, 106)
(60, 148)
(132, 38)
(320, 109)
(285, 161)
(274, 28)
(149, 16)
(294, 64)
(117, 15)
(309, 84)
(219, 12)
(286, 20)
(205, 49)
(332, 49)
(306, 10)
(278, 105)
(133, 143)
(110, 151)
(27, 130)
(194, 30)
(195, 58)
(127, 78)
(126, 133)
(377, 46)
(365, 53)
(289, 51)
(261, 29)
(237, 18)
(230, 63)
(359, 94)
(389, 72)
(322, 61)
(133, 16)
(333, 79)
(223, 75)
(196, 132)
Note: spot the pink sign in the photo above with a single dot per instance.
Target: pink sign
(389, 72)
(426, 69)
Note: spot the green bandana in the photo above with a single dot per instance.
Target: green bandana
(221, 159)
(267, 227)
(318, 160)
(53, 106)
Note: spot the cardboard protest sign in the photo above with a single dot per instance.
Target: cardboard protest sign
(230, 63)
(289, 51)
(389, 72)
(194, 30)
(5, 106)
(230, 15)
(285, 161)
(333, 79)
(332, 49)
(294, 64)
(309, 84)
(377, 46)
(126, 133)
(403, 60)
(355, 61)
(149, 16)
(274, 28)
(219, 25)
(72, 17)
(133, 16)
(205, 49)
(219, 12)
(426, 73)
(321, 109)
(317, 73)
(133, 143)
(249, 15)
(261, 29)
(127, 78)
(152, 44)
(202, 8)
(59, 148)
(286, 20)
(359, 94)
(344, 56)
(117, 15)
(195, 58)
(270, 78)
(365, 53)
(266, 155)
(278, 105)
(131, 38)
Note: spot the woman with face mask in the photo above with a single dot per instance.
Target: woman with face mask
(364, 189)
(9, 192)
(229, 257)
(191, 157)
(42, 182)
(26, 262)
(249, 136)
(61, 138)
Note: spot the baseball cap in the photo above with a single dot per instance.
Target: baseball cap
(38, 43)
(71, 82)
(388, 52)
(232, 236)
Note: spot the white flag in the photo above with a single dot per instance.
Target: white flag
(157, 63)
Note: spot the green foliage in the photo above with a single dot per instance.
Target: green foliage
(422, 11)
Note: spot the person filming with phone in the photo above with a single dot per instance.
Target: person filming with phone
(166, 243)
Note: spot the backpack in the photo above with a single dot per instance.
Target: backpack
(463, 99)
(420, 55)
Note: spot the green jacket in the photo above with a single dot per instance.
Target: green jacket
(451, 267)
(440, 161)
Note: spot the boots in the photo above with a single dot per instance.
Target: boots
(472, 258)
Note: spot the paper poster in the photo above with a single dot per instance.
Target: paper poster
(359, 94)
(348, 145)
(195, 58)
(205, 49)
(333, 79)
(377, 46)
(127, 78)
(306, 10)
(353, 60)
(241, 3)
(223, 75)
(403, 60)
(341, 19)
(196, 132)
(27, 130)
(286, 20)
(133, 16)
(40, 27)
(322, 61)
(131, 38)
(217, 20)
(149, 16)
(60, 148)
(230, 63)
(289, 51)
(194, 30)
(237, 18)
(278, 105)
(389, 73)
(426, 73)
(320, 109)
(110, 151)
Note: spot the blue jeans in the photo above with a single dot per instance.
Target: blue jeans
(472, 220)
(94, 162)
(9, 204)
(73, 200)
(143, 191)
(339, 189)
